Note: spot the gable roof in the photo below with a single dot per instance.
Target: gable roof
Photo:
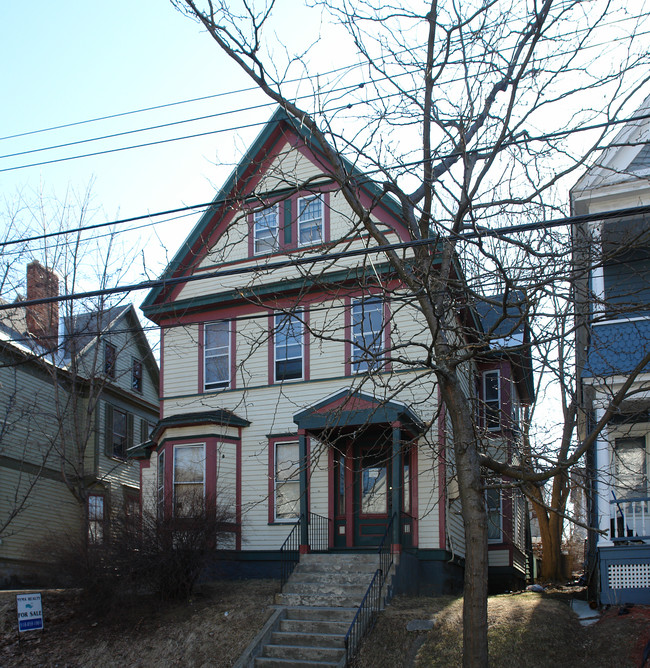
(237, 187)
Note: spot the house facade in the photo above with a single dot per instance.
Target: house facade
(612, 260)
(294, 382)
(75, 393)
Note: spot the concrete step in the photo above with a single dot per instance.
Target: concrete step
(318, 600)
(314, 626)
(272, 662)
(338, 562)
(322, 614)
(299, 652)
(308, 639)
(326, 589)
(314, 574)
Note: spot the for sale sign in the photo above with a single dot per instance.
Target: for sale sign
(30, 612)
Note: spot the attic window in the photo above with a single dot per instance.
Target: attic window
(310, 221)
(110, 359)
(136, 375)
(265, 230)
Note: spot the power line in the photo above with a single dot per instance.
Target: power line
(502, 232)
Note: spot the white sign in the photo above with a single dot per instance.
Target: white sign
(30, 612)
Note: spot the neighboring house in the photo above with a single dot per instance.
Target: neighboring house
(286, 364)
(612, 259)
(75, 394)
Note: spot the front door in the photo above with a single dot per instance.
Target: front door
(371, 489)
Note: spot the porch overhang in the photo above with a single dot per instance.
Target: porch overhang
(350, 408)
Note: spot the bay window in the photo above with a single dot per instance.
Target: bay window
(189, 480)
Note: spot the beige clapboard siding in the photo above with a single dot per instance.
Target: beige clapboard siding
(149, 491)
(181, 360)
(36, 528)
(455, 528)
(428, 497)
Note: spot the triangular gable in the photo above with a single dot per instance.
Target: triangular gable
(352, 408)
(618, 163)
(240, 184)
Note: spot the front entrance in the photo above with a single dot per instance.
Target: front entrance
(362, 475)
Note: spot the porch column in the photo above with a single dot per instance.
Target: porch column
(304, 464)
(396, 496)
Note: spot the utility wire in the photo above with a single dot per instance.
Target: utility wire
(267, 267)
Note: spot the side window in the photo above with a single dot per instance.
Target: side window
(367, 334)
(160, 485)
(118, 433)
(310, 220)
(110, 359)
(286, 472)
(630, 467)
(216, 355)
(492, 400)
(189, 480)
(96, 519)
(266, 230)
(136, 375)
(493, 502)
(288, 347)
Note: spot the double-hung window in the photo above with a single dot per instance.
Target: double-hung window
(118, 432)
(492, 400)
(288, 344)
(494, 514)
(310, 220)
(630, 467)
(266, 229)
(287, 482)
(216, 355)
(189, 480)
(110, 359)
(367, 334)
(95, 519)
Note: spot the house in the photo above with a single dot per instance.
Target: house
(75, 393)
(292, 380)
(612, 259)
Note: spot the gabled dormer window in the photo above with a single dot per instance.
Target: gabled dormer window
(310, 220)
(266, 229)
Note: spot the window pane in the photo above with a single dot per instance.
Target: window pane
(310, 220)
(188, 500)
(216, 335)
(266, 230)
(287, 500)
(630, 466)
(288, 347)
(374, 496)
(189, 463)
(287, 461)
(119, 433)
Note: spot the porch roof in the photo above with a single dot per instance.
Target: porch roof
(353, 408)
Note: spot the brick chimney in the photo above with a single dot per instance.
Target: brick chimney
(42, 319)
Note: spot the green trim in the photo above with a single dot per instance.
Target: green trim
(287, 221)
(352, 275)
(144, 451)
(30, 469)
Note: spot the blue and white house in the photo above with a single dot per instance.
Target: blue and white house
(612, 261)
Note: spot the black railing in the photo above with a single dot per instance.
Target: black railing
(289, 554)
(366, 616)
(318, 537)
(385, 552)
(319, 533)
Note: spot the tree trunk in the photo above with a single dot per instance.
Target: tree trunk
(472, 498)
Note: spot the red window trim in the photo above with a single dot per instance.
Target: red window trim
(349, 302)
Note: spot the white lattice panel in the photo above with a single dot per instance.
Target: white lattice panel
(629, 576)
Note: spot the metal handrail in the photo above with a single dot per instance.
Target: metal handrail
(289, 554)
(318, 537)
(385, 553)
(365, 617)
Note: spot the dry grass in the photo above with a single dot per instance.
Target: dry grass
(211, 630)
(526, 630)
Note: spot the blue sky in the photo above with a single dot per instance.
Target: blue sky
(70, 61)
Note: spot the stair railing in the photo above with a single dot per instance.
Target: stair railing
(289, 554)
(318, 536)
(366, 615)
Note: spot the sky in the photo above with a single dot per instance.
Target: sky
(71, 61)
